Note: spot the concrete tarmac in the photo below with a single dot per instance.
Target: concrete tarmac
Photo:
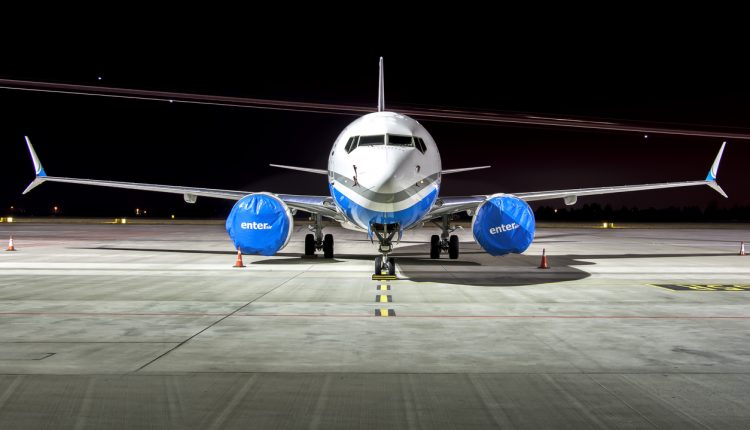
(150, 326)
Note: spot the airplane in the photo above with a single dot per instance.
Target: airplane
(384, 174)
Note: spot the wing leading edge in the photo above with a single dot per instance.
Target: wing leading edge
(451, 205)
(322, 205)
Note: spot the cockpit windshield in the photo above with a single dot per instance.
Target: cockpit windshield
(385, 139)
(371, 140)
(397, 140)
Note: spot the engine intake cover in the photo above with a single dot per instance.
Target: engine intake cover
(260, 223)
(504, 224)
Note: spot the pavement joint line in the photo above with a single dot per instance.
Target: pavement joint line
(236, 313)
(216, 322)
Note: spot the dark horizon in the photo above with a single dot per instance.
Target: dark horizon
(230, 148)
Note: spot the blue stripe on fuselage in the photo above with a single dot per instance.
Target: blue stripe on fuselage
(364, 217)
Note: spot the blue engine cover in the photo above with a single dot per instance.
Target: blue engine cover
(504, 224)
(260, 224)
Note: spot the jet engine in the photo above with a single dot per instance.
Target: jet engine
(503, 224)
(260, 223)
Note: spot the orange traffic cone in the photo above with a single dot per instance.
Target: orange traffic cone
(238, 262)
(10, 245)
(544, 264)
(742, 247)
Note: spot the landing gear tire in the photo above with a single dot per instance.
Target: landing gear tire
(435, 246)
(309, 244)
(328, 246)
(453, 247)
(392, 266)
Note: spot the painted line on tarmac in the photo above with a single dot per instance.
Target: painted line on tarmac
(540, 317)
(381, 298)
(704, 287)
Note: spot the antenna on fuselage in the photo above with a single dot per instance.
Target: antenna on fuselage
(381, 90)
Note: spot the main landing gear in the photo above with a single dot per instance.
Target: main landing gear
(316, 241)
(385, 265)
(446, 242)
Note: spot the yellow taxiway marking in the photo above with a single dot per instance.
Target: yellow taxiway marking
(381, 298)
(704, 287)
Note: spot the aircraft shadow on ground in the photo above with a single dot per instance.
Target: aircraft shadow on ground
(474, 266)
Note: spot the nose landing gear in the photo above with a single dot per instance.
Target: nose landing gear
(385, 266)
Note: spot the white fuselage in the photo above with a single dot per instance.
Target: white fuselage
(397, 175)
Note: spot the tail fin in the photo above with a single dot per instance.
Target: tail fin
(381, 90)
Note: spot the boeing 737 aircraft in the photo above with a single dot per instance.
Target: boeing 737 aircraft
(384, 173)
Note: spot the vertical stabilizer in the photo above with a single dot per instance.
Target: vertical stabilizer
(381, 90)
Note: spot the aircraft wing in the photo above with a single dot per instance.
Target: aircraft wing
(322, 205)
(451, 205)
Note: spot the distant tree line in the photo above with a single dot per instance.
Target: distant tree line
(595, 212)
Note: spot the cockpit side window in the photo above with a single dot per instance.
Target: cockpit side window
(372, 140)
(420, 144)
(398, 140)
(349, 143)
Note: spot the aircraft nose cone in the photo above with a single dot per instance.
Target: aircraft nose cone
(384, 174)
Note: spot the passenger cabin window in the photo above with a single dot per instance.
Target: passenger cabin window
(371, 140)
(397, 140)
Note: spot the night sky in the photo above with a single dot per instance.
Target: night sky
(685, 80)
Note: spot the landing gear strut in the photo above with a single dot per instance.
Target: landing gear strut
(446, 242)
(385, 234)
(316, 241)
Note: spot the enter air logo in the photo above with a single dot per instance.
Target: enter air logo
(503, 228)
(255, 226)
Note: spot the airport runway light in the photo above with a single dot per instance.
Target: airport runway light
(172, 216)
(555, 210)
(137, 211)
(124, 221)
(55, 209)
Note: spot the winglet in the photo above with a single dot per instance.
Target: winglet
(381, 90)
(718, 189)
(38, 169)
(715, 167)
(714, 172)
